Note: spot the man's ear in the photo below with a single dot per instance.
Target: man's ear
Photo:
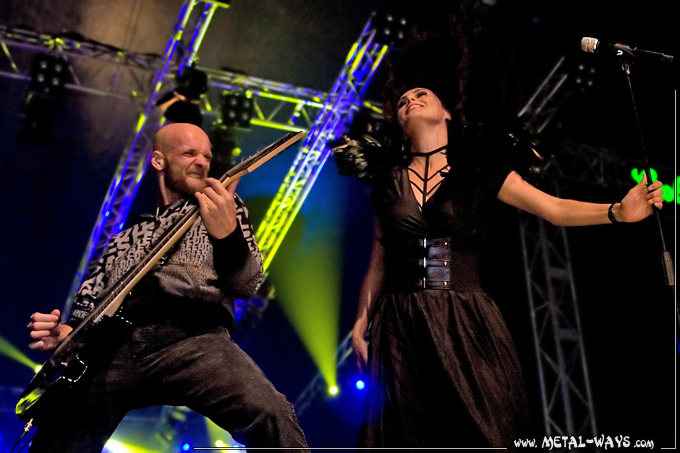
(158, 160)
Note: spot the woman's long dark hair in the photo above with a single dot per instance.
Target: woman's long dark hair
(434, 56)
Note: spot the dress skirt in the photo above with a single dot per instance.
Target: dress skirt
(444, 373)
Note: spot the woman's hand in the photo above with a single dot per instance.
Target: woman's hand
(639, 202)
(359, 343)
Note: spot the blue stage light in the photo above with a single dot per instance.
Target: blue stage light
(186, 447)
(360, 384)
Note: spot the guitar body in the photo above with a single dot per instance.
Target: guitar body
(73, 360)
(68, 368)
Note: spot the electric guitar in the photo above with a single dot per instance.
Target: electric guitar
(65, 367)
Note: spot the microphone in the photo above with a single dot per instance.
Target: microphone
(594, 45)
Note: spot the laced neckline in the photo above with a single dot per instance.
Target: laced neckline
(426, 178)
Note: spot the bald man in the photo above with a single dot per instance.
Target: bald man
(178, 351)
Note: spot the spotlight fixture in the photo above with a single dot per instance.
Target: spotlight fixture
(583, 77)
(182, 104)
(237, 110)
(391, 27)
(48, 76)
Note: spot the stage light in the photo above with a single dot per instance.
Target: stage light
(360, 384)
(318, 263)
(14, 353)
(114, 446)
(186, 447)
(237, 110)
(391, 27)
(333, 390)
(48, 76)
(182, 104)
(583, 77)
(225, 148)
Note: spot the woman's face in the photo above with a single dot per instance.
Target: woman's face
(420, 104)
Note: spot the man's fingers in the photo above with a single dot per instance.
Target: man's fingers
(39, 334)
(36, 345)
(216, 186)
(216, 192)
(231, 188)
(43, 317)
(43, 325)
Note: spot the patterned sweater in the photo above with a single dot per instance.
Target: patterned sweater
(198, 267)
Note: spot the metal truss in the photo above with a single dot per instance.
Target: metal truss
(95, 68)
(566, 395)
(335, 115)
(104, 70)
(276, 105)
(547, 99)
(145, 74)
(563, 373)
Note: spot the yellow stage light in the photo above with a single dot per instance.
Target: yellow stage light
(11, 351)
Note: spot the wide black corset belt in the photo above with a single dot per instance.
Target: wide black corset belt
(435, 262)
(430, 263)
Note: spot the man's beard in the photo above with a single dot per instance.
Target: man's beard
(182, 184)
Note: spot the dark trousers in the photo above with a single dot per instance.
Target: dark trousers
(166, 365)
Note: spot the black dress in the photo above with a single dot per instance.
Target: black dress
(443, 368)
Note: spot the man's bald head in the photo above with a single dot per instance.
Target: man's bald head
(172, 136)
(181, 157)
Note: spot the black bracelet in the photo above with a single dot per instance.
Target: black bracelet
(610, 213)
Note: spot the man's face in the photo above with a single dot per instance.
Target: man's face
(187, 162)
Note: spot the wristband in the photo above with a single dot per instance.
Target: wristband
(610, 214)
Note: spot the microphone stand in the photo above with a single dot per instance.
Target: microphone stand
(667, 261)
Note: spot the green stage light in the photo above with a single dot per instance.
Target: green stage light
(114, 446)
(219, 437)
(11, 351)
(309, 294)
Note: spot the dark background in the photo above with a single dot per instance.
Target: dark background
(51, 195)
